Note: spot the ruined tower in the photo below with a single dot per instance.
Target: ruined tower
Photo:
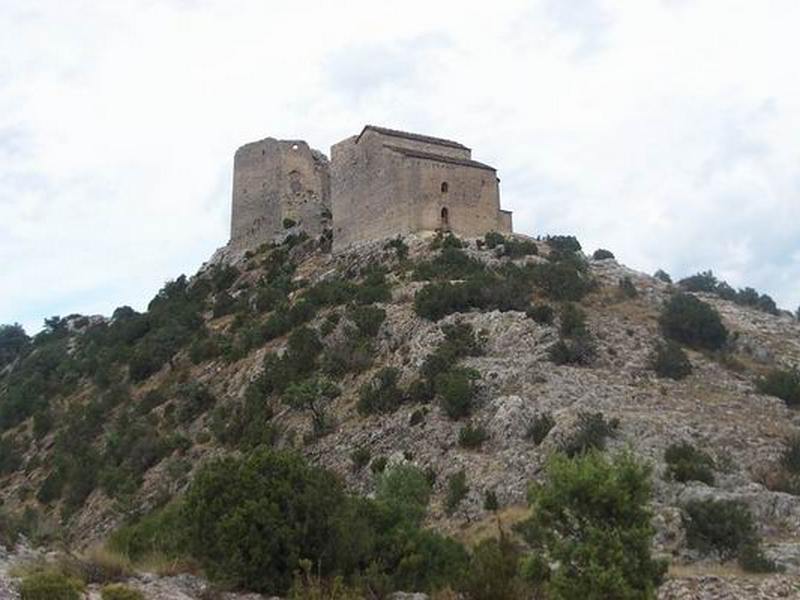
(279, 187)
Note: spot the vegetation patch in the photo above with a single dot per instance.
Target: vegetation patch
(783, 384)
(670, 361)
(688, 320)
(687, 463)
(706, 282)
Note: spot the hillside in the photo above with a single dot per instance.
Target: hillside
(485, 360)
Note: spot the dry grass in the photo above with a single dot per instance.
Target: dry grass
(102, 565)
(488, 527)
(724, 570)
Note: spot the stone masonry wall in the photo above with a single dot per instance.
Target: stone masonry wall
(275, 180)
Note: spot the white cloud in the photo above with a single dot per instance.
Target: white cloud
(661, 130)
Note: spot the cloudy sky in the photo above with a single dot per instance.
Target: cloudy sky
(665, 130)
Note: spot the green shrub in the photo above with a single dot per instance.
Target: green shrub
(472, 437)
(50, 586)
(405, 488)
(10, 457)
(591, 520)
(579, 352)
(562, 245)
(662, 275)
(564, 280)
(591, 433)
(721, 526)
(444, 241)
(669, 360)
(541, 313)
(451, 263)
(493, 572)
(490, 501)
(602, 254)
(360, 457)
(159, 533)
(117, 591)
(289, 223)
(783, 384)
(456, 391)
(790, 457)
(514, 248)
(494, 239)
(249, 521)
(690, 321)
(381, 395)
(399, 246)
(626, 288)
(378, 465)
(457, 490)
(315, 396)
(687, 463)
(573, 321)
(751, 559)
(368, 319)
(540, 427)
(13, 341)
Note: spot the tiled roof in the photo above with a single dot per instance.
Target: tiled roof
(412, 136)
(465, 162)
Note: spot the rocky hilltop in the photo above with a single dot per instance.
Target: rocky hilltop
(474, 360)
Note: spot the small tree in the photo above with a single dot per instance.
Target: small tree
(591, 519)
(602, 254)
(669, 360)
(783, 384)
(457, 489)
(687, 463)
(662, 275)
(693, 322)
(313, 395)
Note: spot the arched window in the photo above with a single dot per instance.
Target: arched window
(444, 187)
(445, 224)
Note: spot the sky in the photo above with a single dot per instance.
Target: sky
(663, 130)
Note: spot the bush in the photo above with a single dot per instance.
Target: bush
(451, 263)
(289, 223)
(541, 313)
(540, 427)
(378, 465)
(690, 321)
(315, 396)
(360, 457)
(159, 533)
(722, 526)
(457, 490)
(626, 288)
(472, 437)
(662, 275)
(381, 395)
(564, 280)
(493, 571)
(579, 352)
(573, 322)
(368, 319)
(13, 341)
(669, 360)
(783, 384)
(602, 254)
(405, 488)
(591, 433)
(456, 391)
(591, 521)
(518, 248)
(790, 458)
(562, 245)
(399, 246)
(490, 501)
(50, 586)
(249, 521)
(708, 283)
(687, 463)
(117, 591)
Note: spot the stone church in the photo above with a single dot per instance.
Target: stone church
(378, 184)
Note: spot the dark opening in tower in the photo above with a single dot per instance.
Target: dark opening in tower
(445, 220)
(444, 187)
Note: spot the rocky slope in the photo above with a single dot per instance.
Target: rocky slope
(717, 408)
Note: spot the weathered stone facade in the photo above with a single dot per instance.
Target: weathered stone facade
(381, 183)
(279, 186)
